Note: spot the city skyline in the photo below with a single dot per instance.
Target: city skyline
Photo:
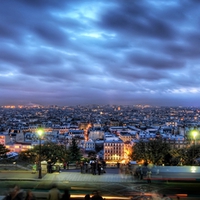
(100, 52)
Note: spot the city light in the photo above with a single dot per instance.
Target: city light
(194, 134)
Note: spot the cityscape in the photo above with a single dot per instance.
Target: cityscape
(99, 99)
(108, 133)
(97, 126)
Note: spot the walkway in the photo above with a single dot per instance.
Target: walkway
(111, 175)
(110, 184)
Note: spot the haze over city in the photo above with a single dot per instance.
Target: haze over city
(100, 52)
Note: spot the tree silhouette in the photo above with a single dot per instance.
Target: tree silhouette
(3, 151)
(152, 151)
(74, 151)
(49, 151)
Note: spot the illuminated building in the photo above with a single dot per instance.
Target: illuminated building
(18, 147)
(113, 150)
(125, 136)
(2, 139)
(114, 123)
(76, 133)
(89, 145)
(96, 134)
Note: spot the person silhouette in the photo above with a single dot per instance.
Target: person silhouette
(66, 195)
(96, 196)
(87, 197)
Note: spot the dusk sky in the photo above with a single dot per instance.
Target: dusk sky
(124, 52)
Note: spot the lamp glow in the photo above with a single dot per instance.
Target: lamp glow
(194, 134)
(40, 132)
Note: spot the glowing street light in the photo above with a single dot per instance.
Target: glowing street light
(194, 135)
(40, 133)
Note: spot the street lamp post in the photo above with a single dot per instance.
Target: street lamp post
(194, 134)
(39, 132)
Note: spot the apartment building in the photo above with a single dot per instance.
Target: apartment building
(113, 150)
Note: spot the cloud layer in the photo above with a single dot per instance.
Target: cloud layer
(100, 52)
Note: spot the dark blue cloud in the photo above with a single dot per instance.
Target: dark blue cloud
(81, 52)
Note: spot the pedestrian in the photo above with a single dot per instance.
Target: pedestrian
(87, 197)
(64, 165)
(141, 173)
(93, 166)
(66, 195)
(34, 168)
(86, 167)
(99, 167)
(15, 194)
(49, 166)
(30, 195)
(54, 193)
(118, 165)
(82, 167)
(96, 196)
(57, 164)
(77, 163)
(149, 176)
(104, 165)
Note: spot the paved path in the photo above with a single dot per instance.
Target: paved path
(112, 175)
(111, 183)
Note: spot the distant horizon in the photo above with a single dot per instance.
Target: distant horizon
(167, 102)
(75, 105)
